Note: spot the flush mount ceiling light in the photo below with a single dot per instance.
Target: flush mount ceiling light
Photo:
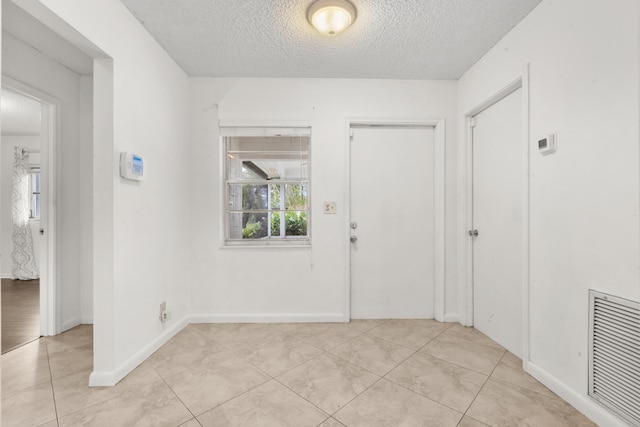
(331, 17)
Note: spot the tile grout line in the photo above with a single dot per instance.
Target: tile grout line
(409, 348)
(326, 352)
(295, 392)
(379, 376)
(349, 362)
(222, 403)
(356, 396)
(457, 364)
(87, 407)
(447, 361)
(244, 346)
(177, 397)
(235, 352)
(53, 391)
(510, 384)
(302, 397)
(413, 391)
(300, 364)
(483, 386)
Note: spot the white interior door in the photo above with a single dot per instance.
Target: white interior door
(497, 217)
(392, 208)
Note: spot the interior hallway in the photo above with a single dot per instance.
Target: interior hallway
(364, 373)
(20, 312)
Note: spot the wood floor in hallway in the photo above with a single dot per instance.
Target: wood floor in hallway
(20, 312)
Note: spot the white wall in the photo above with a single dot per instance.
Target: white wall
(9, 142)
(584, 230)
(86, 198)
(296, 284)
(141, 229)
(31, 67)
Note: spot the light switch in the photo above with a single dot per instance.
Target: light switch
(329, 208)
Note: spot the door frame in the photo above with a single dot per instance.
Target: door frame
(50, 125)
(439, 299)
(465, 213)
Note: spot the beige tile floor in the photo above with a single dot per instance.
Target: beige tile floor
(364, 373)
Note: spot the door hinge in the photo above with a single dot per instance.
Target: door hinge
(473, 121)
(473, 233)
(350, 135)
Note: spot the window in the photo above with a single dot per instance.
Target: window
(267, 188)
(34, 195)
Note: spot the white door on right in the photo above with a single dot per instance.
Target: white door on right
(497, 217)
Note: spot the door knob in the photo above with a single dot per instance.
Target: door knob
(353, 239)
(473, 233)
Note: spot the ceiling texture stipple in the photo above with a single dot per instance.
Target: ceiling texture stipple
(392, 39)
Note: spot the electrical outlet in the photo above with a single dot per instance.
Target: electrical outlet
(163, 312)
(329, 207)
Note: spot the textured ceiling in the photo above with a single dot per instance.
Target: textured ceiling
(19, 115)
(404, 39)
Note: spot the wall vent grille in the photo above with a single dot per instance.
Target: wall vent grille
(614, 354)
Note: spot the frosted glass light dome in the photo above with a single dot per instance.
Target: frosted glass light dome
(331, 17)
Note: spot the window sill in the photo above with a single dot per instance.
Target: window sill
(243, 245)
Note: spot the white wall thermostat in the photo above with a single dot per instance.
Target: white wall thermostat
(132, 166)
(547, 145)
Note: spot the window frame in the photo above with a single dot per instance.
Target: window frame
(231, 131)
(32, 195)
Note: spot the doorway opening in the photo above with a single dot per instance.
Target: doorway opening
(57, 75)
(28, 141)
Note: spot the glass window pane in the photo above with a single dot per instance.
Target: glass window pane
(254, 225)
(279, 168)
(248, 197)
(269, 205)
(268, 157)
(268, 144)
(275, 224)
(36, 205)
(235, 226)
(248, 225)
(275, 196)
(296, 197)
(249, 166)
(251, 171)
(296, 224)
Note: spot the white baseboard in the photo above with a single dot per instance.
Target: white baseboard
(86, 320)
(70, 323)
(268, 318)
(452, 318)
(582, 403)
(6, 276)
(101, 379)
(106, 379)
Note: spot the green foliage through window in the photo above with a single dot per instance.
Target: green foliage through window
(267, 186)
(295, 224)
(258, 197)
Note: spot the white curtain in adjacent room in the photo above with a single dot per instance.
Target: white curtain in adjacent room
(24, 264)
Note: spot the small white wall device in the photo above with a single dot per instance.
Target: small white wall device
(132, 166)
(547, 145)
